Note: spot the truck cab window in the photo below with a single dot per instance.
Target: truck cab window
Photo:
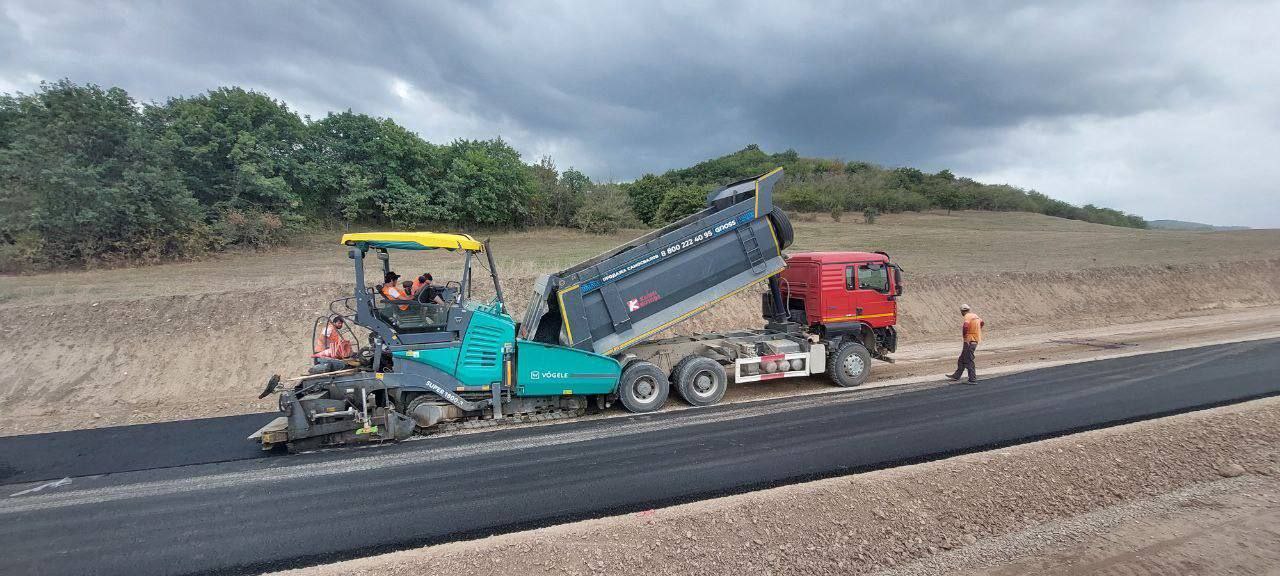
(868, 278)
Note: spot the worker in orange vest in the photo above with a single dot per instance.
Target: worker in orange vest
(424, 281)
(331, 349)
(392, 291)
(971, 332)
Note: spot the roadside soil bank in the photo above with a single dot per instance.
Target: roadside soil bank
(84, 349)
(121, 361)
(1231, 526)
(1198, 489)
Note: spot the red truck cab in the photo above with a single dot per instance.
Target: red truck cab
(845, 296)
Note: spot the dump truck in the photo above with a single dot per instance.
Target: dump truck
(587, 339)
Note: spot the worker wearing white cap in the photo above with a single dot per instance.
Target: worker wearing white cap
(971, 333)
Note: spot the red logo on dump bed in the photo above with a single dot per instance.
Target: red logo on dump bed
(638, 303)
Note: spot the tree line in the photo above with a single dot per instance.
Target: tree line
(90, 175)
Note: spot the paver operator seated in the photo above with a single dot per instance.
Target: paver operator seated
(392, 291)
(331, 349)
(423, 282)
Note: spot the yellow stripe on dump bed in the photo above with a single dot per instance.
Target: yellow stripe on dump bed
(768, 174)
(564, 315)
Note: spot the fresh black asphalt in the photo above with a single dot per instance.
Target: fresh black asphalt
(124, 448)
(296, 519)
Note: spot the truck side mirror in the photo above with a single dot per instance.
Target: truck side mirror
(897, 281)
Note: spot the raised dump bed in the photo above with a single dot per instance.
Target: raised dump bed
(618, 299)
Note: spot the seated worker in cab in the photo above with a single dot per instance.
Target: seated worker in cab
(423, 282)
(331, 349)
(393, 292)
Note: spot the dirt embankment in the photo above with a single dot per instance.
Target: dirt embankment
(1036, 302)
(930, 514)
(125, 361)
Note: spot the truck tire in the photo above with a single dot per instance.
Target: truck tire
(700, 381)
(850, 365)
(782, 227)
(643, 387)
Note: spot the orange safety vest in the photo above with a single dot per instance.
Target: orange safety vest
(331, 344)
(972, 328)
(391, 292)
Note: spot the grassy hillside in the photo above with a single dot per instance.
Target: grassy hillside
(835, 187)
(1184, 225)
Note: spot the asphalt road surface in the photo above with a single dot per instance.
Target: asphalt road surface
(231, 515)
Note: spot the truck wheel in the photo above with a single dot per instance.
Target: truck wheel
(782, 227)
(700, 381)
(850, 365)
(643, 387)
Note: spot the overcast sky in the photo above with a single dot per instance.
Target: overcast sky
(1165, 109)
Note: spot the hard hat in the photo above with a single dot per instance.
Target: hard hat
(964, 308)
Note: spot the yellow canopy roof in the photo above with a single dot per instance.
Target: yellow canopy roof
(414, 240)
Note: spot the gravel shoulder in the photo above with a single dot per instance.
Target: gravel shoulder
(1207, 481)
(1231, 526)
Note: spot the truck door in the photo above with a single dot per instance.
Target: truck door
(868, 287)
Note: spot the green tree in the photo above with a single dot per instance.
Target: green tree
(681, 201)
(486, 183)
(545, 181)
(80, 181)
(236, 149)
(950, 198)
(569, 196)
(371, 169)
(646, 196)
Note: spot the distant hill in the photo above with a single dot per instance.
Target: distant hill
(1184, 225)
(835, 186)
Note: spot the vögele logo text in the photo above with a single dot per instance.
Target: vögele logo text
(535, 375)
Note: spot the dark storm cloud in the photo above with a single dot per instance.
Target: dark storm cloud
(620, 89)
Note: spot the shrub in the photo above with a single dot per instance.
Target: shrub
(801, 197)
(646, 196)
(250, 228)
(21, 253)
(681, 201)
(605, 211)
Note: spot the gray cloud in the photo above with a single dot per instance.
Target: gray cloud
(1164, 109)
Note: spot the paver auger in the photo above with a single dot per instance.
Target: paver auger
(585, 339)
